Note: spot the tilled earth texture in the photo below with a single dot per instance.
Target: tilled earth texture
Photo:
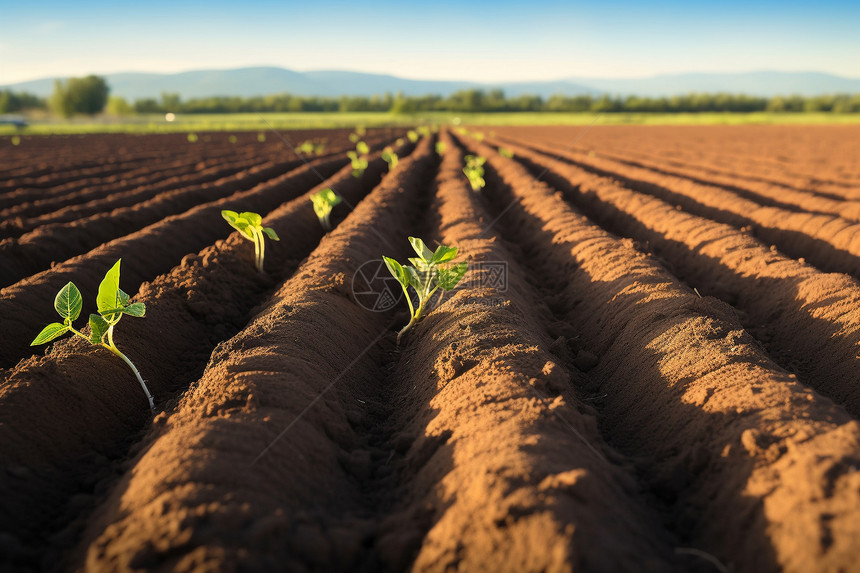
(650, 365)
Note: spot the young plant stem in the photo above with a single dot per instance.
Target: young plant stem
(258, 249)
(423, 297)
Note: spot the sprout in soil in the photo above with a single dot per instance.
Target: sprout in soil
(359, 164)
(112, 304)
(412, 135)
(324, 201)
(261, 137)
(232, 139)
(192, 138)
(428, 275)
(390, 157)
(441, 147)
(505, 152)
(306, 147)
(474, 171)
(251, 227)
(362, 148)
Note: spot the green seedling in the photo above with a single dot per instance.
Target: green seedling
(250, 225)
(324, 201)
(232, 139)
(306, 147)
(112, 304)
(319, 148)
(390, 157)
(261, 137)
(478, 135)
(441, 147)
(474, 171)
(428, 274)
(412, 135)
(359, 164)
(354, 137)
(192, 138)
(505, 152)
(16, 140)
(362, 148)
(400, 142)
(361, 131)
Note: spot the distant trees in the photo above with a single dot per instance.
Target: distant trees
(89, 96)
(79, 95)
(11, 102)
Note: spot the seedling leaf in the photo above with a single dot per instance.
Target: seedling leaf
(448, 278)
(362, 148)
(253, 219)
(108, 296)
(420, 248)
(68, 302)
(137, 309)
(397, 271)
(270, 232)
(49, 333)
(444, 254)
(98, 327)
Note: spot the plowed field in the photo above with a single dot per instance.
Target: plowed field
(651, 364)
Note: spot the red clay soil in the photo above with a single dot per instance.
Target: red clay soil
(752, 466)
(830, 243)
(36, 250)
(508, 459)
(591, 412)
(778, 296)
(190, 310)
(244, 499)
(148, 252)
(815, 159)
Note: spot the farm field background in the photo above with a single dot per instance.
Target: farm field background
(155, 123)
(651, 365)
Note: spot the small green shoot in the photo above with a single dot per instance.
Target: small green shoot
(319, 148)
(390, 157)
(505, 152)
(441, 147)
(192, 138)
(16, 140)
(112, 304)
(324, 201)
(250, 225)
(412, 135)
(306, 147)
(362, 148)
(261, 137)
(359, 164)
(232, 139)
(428, 275)
(474, 171)
(354, 137)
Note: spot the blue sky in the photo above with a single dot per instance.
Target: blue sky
(484, 41)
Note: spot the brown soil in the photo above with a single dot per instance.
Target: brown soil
(591, 412)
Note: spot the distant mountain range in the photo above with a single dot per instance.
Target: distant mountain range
(271, 80)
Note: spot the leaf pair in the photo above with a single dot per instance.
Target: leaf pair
(324, 201)
(474, 171)
(427, 274)
(112, 303)
(359, 164)
(390, 157)
(250, 225)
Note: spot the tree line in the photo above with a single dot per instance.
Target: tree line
(90, 95)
